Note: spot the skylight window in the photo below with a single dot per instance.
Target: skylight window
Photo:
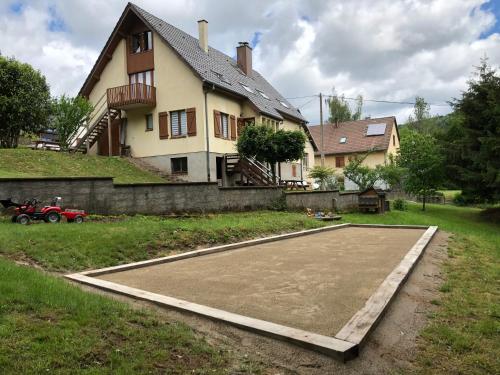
(375, 129)
(247, 88)
(263, 94)
(343, 140)
(284, 104)
(221, 77)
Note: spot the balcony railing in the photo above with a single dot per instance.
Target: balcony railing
(133, 95)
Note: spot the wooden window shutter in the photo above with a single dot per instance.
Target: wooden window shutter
(232, 121)
(191, 121)
(217, 124)
(294, 170)
(163, 121)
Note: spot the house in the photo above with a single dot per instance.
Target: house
(170, 99)
(378, 136)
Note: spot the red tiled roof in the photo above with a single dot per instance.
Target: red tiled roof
(355, 132)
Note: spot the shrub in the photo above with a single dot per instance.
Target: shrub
(279, 204)
(459, 199)
(399, 205)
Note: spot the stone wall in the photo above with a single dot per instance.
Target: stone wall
(322, 200)
(101, 196)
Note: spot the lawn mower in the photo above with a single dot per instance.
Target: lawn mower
(27, 211)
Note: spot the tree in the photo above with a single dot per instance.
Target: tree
(362, 175)
(341, 111)
(68, 115)
(264, 144)
(322, 175)
(472, 141)
(421, 157)
(421, 112)
(24, 101)
(392, 173)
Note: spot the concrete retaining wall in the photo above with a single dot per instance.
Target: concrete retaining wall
(101, 196)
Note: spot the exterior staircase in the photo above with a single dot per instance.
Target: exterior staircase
(251, 171)
(94, 131)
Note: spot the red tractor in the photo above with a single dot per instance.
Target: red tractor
(27, 211)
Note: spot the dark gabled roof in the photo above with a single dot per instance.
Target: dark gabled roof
(355, 133)
(210, 67)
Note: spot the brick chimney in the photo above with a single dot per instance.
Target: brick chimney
(203, 35)
(244, 57)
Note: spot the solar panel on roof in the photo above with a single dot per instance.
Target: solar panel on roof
(375, 129)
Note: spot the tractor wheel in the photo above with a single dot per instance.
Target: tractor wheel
(52, 217)
(14, 219)
(78, 219)
(23, 219)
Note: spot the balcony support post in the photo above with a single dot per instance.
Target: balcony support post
(110, 151)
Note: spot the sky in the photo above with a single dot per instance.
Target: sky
(388, 50)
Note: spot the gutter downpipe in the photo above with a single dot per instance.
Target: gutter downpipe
(207, 135)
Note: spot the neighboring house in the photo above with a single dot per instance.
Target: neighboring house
(177, 103)
(378, 136)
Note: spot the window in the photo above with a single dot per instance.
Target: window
(221, 77)
(393, 140)
(178, 120)
(284, 104)
(149, 122)
(339, 161)
(179, 165)
(263, 94)
(305, 161)
(247, 88)
(224, 120)
(141, 42)
(343, 140)
(142, 77)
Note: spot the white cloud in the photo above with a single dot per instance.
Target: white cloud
(389, 50)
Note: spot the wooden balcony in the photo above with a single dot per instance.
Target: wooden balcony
(135, 95)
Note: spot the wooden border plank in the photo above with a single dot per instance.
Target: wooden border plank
(331, 346)
(210, 250)
(365, 320)
(391, 226)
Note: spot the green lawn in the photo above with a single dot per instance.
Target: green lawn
(23, 162)
(449, 194)
(68, 247)
(38, 310)
(49, 326)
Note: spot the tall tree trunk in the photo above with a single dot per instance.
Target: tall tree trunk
(423, 200)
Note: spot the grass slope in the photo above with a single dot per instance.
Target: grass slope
(22, 162)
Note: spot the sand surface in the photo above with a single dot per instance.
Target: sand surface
(314, 282)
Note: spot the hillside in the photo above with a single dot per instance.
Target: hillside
(22, 162)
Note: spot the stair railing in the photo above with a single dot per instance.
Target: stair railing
(84, 130)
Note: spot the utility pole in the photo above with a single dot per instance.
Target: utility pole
(322, 148)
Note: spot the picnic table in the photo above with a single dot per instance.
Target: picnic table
(295, 184)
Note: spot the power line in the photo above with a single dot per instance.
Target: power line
(306, 103)
(369, 100)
